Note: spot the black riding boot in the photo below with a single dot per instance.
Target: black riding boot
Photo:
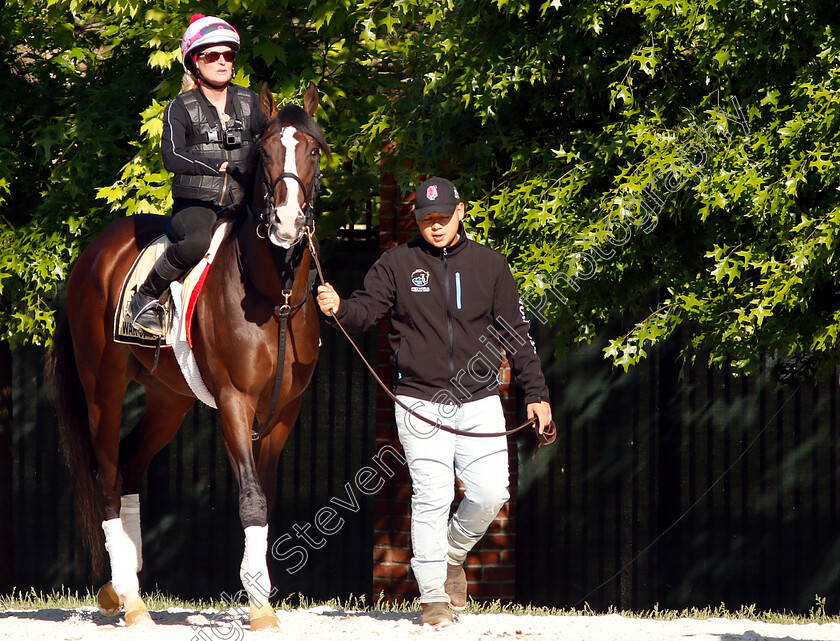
(145, 308)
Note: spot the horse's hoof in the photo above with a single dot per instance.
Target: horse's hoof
(138, 617)
(264, 618)
(136, 612)
(108, 601)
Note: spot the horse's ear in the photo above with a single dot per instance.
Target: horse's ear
(310, 99)
(269, 108)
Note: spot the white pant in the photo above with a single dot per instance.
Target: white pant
(434, 457)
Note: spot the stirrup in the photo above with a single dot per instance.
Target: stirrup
(149, 318)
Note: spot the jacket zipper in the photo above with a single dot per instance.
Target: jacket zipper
(449, 316)
(223, 125)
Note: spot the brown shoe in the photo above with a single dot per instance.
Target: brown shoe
(436, 614)
(456, 586)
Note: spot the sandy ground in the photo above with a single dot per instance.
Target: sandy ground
(328, 624)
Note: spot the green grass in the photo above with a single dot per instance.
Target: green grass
(65, 599)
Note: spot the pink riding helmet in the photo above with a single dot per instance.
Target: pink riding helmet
(206, 31)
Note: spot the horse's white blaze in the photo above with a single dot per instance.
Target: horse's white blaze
(286, 214)
(253, 571)
(123, 558)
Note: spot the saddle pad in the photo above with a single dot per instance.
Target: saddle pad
(180, 306)
(124, 332)
(183, 351)
(189, 291)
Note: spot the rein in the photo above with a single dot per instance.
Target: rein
(548, 435)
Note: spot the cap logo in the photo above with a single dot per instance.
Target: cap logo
(431, 192)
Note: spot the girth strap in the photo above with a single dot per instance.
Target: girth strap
(282, 312)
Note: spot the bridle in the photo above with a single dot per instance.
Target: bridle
(310, 197)
(282, 311)
(270, 186)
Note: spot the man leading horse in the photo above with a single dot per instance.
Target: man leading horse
(454, 304)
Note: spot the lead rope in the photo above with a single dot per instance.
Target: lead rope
(548, 435)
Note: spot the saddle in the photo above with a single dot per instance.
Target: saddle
(178, 313)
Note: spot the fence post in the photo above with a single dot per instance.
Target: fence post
(7, 566)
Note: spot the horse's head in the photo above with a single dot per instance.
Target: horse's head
(290, 152)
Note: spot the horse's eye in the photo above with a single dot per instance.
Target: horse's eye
(316, 151)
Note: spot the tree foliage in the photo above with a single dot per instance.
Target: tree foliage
(70, 106)
(670, 162)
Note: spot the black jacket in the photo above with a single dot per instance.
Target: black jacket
(451, 309)
(187, 124)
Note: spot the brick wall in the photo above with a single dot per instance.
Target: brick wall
(490, 567)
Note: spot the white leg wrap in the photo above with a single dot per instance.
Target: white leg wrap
(254, 570)
(130, 517)
(123, 557)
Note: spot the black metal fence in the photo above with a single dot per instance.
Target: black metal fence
(660, 489)
(681, 492)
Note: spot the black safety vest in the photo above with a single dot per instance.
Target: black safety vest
(207, 138)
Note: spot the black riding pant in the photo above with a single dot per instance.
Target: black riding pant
(191, 230)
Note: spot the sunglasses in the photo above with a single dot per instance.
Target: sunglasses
(213, 56)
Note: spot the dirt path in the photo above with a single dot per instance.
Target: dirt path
(327, 624)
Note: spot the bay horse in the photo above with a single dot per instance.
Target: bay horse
(261, 266)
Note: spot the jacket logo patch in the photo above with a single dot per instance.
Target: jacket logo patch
(420, 280)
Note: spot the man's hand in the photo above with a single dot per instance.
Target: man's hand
(328, 300)
(542, 411)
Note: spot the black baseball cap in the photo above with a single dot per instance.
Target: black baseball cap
(435, 195)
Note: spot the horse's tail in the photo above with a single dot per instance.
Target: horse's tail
(60, 368)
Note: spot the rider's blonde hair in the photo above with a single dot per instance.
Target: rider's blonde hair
(188, 82)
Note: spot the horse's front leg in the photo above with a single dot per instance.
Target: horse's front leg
(268, 449)
(253, 512)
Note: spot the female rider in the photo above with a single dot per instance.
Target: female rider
(208, 133)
